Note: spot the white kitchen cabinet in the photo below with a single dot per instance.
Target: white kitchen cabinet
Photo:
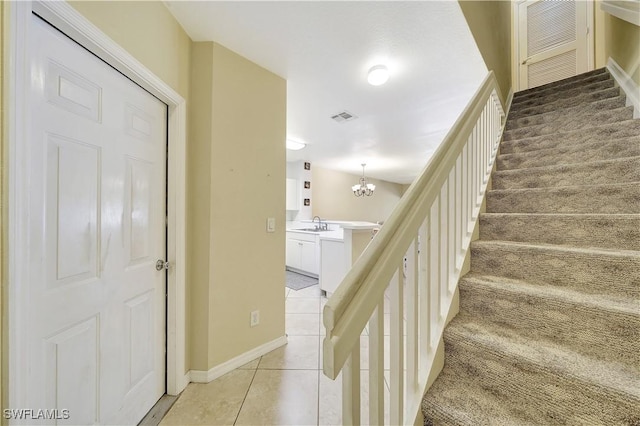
(293, 195)
(333, 265)
(302, 253)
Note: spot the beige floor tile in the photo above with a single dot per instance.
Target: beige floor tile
(250, 365)
(214, 403)
(330, 400)
(302, 305)
(281, 397)
(302, 324)
(300, 353)
(313, 291)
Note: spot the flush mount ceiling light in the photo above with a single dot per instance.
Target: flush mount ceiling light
(378, 75)
(363, 188)
(295, 145)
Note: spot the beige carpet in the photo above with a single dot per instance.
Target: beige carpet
(549, 326)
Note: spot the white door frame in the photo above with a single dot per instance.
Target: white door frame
(76, 26)
(515, 40)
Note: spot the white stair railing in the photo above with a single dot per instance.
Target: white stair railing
(414, 262)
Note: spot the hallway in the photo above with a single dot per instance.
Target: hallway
(283, 387)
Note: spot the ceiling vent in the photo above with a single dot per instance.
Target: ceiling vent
(343, 116)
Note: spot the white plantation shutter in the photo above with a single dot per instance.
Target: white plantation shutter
(550, 24)
(553, 69)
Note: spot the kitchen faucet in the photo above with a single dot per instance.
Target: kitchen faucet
(320, 226)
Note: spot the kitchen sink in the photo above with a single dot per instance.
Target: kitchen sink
(311, 230)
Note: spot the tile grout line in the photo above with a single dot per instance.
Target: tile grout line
(247, 392)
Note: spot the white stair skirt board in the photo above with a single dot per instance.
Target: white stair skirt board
(199, 376)
(628, 86)
(508, 102)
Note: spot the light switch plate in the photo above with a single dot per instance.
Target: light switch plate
(271, 224)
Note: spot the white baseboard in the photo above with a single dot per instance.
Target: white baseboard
(628, 86)
(507, 107)
(199, 376)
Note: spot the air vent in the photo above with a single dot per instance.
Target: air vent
(343, 116)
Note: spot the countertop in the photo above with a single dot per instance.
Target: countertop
(334, 235)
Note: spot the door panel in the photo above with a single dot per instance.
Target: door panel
(552, 40)
(96, 327)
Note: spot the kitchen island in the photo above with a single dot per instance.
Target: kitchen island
(327, 254)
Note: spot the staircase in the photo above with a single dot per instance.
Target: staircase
(549, 324)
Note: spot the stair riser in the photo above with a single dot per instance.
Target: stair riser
(543, 90)
(620, 130)
(605, 231)
(603, 335)
(566, 103)
(601, 172)
(579, 121)
(570, 89)
(571, 154)
(609, 199)
(587, 272)
(534, 388)
(549, 96)
(557, 84)
(561, 116)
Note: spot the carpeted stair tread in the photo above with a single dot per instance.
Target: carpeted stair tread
(561, 86)
(602, 328)
(591, 270)
(621, 170)
(621, 198)
(578, 230)
(547, 96)
(557, 84)
(561, 115)
(580, 121)
(584, 98)
(580, 369)
(622, 129)
(490, 380)
(602, 149)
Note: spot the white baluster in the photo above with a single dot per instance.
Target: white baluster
(444, 245)
(376, 366)
(396, 354)
(351, 388)
(413, 273)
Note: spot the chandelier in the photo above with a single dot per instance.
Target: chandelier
(363, 188)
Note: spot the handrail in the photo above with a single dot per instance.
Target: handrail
(350, 308)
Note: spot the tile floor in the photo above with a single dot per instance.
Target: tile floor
(283, 387)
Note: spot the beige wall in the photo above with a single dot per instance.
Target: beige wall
(490, 24)
(237, 181)
(622, 43)
(332, 198)
(198, 194)
(148, 31)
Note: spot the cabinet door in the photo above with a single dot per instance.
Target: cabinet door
(333, 265)
(293, 253)
(308, 257)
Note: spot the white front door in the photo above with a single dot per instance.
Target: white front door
(553, 40)
(96, 320)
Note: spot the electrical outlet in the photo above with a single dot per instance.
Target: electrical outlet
(255, 318)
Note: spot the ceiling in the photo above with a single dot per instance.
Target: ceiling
(324, 50)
